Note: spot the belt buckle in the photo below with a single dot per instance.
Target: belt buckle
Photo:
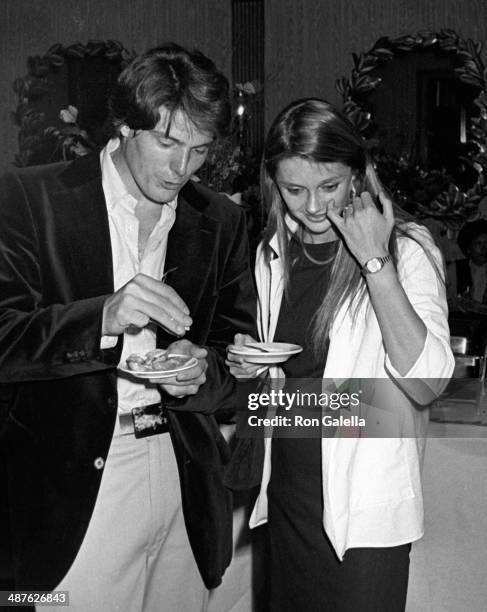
(149, 420)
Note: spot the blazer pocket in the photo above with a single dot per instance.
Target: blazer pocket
(15, 434)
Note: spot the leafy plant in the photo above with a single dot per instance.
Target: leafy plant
(231, 165)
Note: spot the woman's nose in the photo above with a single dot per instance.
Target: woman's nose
(314, 204)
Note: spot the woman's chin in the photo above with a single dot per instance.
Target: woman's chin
(318, 234)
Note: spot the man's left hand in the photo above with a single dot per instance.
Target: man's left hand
(187, 382)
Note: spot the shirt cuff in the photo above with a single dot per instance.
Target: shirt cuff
(108, 342)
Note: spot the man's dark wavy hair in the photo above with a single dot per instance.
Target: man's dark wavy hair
(177, 79)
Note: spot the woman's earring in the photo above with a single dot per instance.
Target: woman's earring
(125, 130)
(353, 192)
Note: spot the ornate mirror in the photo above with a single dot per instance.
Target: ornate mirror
(62, 101)
(420, 102)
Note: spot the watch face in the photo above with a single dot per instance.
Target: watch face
(374, 265)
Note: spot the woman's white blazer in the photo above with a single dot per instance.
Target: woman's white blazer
(372, 487)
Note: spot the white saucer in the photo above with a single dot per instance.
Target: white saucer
(162, 374)
(278, 352)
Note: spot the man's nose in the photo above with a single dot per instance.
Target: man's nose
(179, 163)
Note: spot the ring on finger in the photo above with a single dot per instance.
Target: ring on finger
(348, 210)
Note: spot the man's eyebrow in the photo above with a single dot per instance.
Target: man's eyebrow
(203, 144)
(177, 141)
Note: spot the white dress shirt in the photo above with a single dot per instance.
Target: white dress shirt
(124, 234)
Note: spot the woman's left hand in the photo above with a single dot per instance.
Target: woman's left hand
(238, 365)
(364, 228)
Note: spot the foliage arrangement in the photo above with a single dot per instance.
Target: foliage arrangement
(42, 143)
(424, 193)
(231, 165)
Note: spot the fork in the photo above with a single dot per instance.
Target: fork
(263, 349)
(168, 272)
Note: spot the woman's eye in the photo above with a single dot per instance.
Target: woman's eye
(329, 188)
(294, 191)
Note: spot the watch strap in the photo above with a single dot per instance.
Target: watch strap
(383, 260)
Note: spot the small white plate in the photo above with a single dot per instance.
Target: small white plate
(278, 352)
(162, 374)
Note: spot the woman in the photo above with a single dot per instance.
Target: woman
(363, 293)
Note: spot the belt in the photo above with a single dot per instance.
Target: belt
(144, 421)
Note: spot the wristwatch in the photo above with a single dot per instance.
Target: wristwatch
(375, 264)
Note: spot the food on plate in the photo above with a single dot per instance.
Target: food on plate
(156, 361)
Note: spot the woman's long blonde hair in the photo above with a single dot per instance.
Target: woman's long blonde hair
(314, 130)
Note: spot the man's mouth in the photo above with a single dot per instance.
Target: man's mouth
(170, 185)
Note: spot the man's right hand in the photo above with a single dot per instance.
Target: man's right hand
(141, 300)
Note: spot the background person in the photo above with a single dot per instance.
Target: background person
(468, 287)
(363, 293)
(83, 248)
(471, 273)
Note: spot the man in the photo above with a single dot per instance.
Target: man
(83, 251)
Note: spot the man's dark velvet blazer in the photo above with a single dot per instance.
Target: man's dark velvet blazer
(58, 397)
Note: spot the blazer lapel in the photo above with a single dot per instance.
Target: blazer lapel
(191, 248)
(86, 235)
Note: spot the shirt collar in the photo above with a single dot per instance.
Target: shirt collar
(292, 226)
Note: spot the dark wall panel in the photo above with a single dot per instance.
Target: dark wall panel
(309, 42)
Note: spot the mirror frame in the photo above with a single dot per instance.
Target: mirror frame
(452, 206)
(36, 84)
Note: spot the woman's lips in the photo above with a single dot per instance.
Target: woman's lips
(317, 218)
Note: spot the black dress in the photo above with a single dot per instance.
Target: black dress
(305, 574)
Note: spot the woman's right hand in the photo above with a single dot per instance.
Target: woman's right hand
(238, 365)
